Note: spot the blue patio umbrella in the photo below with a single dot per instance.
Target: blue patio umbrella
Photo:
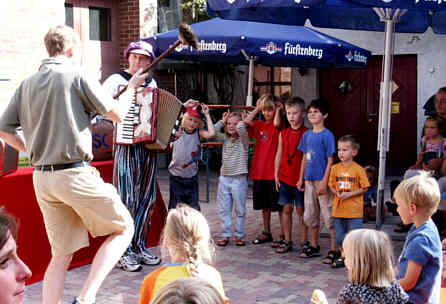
(243, 42)
(406, 16)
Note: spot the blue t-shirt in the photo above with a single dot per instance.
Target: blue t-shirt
(317, 148)
(423, 246)
(370, 196)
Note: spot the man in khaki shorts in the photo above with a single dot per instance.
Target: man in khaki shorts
(54, 107)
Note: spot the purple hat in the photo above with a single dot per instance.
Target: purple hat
(139, 47)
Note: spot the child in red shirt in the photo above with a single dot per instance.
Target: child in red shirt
(266, 133)
(287, 169)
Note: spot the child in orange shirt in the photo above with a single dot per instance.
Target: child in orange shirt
(348, 181)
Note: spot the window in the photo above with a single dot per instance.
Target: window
(69, 14)
(274, 80)
(100, 23)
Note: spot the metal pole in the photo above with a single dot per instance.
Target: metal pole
(208, 173)
(384, 117)
(250, 81)
(251, 60)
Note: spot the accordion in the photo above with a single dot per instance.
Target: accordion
(150, 119)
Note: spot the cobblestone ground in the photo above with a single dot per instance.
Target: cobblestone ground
(251, 274)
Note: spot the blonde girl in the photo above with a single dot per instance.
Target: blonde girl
(368, 259)
(188, 240)
(188, 291)
(233, 180)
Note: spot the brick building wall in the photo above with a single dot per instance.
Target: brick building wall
(137, 19)
(23, 25)
(128, 26)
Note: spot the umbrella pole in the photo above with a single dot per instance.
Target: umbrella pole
(384, 117)
(250, 82)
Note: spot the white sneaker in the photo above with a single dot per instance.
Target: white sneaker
(129, 263)
(145, 257)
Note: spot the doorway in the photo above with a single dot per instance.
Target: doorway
(97, 23)
(353, 96)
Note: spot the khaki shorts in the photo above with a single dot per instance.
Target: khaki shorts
(317, 206)
(77, 201)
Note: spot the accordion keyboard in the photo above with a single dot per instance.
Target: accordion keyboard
(125, 129)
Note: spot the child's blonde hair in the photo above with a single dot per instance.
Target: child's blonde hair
(188, 291)
(231, 115)
(187, 115)
(368, 256)
(187, 235)
(421, 190)
(266, 101)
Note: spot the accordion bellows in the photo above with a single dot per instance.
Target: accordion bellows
(150, 119)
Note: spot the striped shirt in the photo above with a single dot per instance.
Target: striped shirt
(235, 150)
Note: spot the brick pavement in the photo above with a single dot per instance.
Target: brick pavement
(251, 274)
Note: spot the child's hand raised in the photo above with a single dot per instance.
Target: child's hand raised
(225, 116)
(191, 103)
(205, 109)
(279, 105)
(244, 114)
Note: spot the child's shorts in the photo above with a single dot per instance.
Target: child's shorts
(317, 206)
(265, 196)
(342, 226)
(290, 195)
(183, 191)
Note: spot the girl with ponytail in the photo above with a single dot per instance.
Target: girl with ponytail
(187, 238)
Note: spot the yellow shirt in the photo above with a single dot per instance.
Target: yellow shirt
(347, 179)
(157, 279)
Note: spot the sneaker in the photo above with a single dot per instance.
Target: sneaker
(146, 258)
(129, 263)
(77, 301)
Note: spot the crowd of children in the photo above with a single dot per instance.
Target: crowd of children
(294, 167)
(300, 163)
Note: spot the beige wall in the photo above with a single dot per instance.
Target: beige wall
(307, 86)
(23, 25)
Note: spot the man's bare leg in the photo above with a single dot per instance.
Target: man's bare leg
(54, 279)
(104, 261)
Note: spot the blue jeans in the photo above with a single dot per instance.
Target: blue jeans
(344, 225)
(232, 191)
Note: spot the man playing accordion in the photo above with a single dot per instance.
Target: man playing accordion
(135, 167)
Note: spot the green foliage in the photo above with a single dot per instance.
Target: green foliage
(196, 9)
(24, 162)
